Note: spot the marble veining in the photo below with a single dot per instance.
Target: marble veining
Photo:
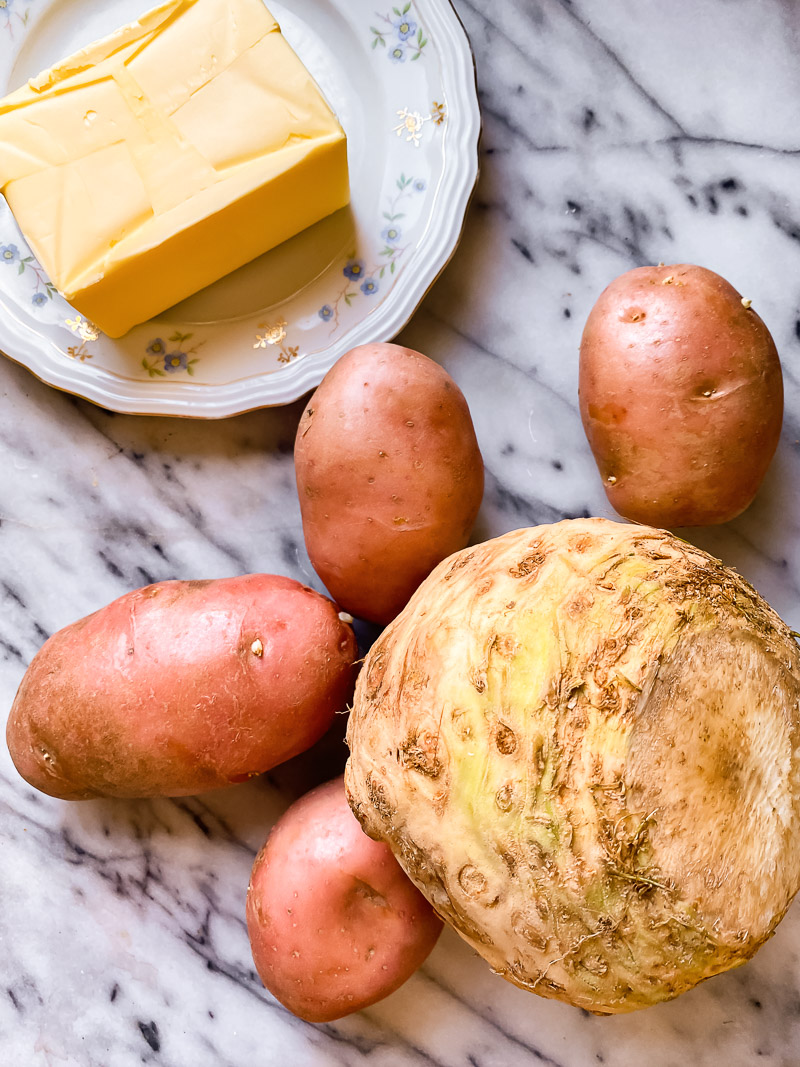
(615, 134)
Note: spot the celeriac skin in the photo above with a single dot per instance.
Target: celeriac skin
(182, 687)
(582, 742)
(681, 396)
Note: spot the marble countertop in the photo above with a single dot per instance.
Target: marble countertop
(615, 134)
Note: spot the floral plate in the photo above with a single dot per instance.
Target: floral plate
(402, 81)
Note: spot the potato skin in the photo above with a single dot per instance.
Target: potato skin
(389, 474)
(182, 687)
(681, 396)
(335, 925)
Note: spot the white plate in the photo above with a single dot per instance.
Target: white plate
(401, 79)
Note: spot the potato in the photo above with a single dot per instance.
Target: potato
(182, 687)
(389, 474)
(681, 396)
(334, 923)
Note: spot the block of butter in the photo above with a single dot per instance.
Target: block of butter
(161, 158)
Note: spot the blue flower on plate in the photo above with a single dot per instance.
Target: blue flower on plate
(391, 235)
(354, 270)
(39, 299)
(420, 185)
(175, 361)
(5, 6)
(326, 313)
(397, 54)
(369, 287)
(157, 347)
(405, 27)
(9, 253)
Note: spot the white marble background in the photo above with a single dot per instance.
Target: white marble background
(616, 133)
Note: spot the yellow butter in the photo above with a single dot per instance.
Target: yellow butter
(161, 158)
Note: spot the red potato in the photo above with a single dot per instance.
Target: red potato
(335, 925)
(389, 474)
(182, 687)
(681, 396)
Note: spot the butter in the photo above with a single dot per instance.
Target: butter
(157, 160)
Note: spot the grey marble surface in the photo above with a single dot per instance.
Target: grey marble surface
(616, 134)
